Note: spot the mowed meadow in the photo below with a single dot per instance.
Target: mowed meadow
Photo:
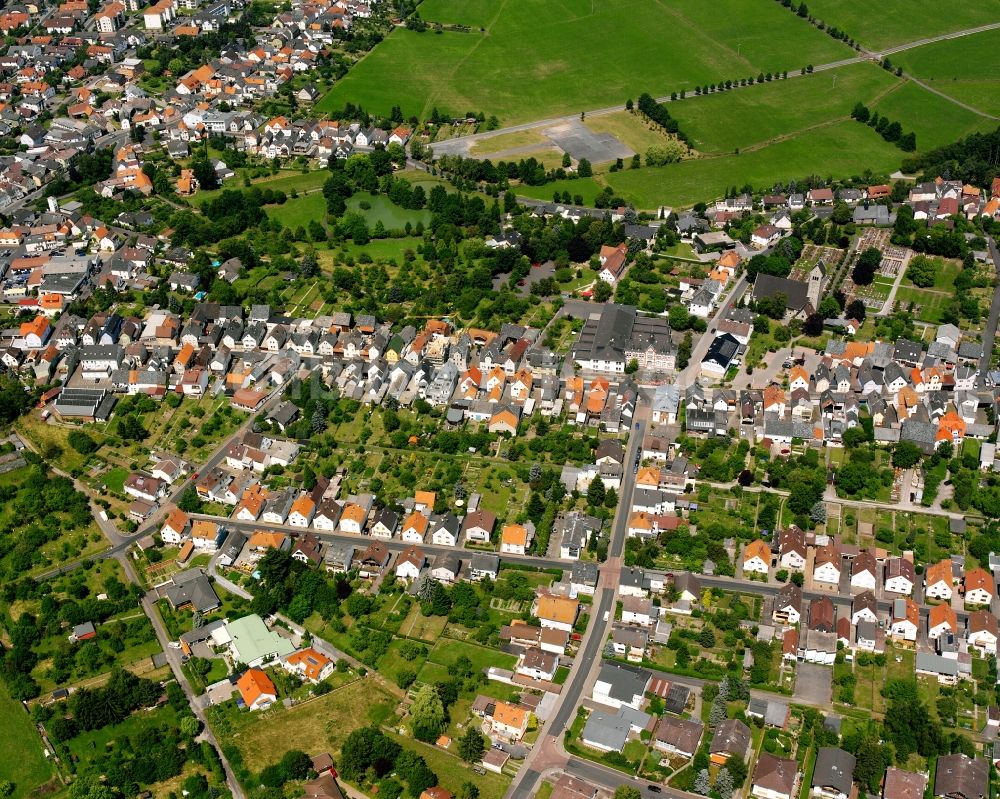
(962, 68)
(890, 23)
(524, 60)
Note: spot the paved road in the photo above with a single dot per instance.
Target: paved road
(689, 374)
(990, 331)
(197, 707)
(588, 659)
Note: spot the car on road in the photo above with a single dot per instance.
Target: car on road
(654, 789)
(174, 644)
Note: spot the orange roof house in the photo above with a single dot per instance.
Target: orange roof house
(510, 720)
(312, 665)
(757, 549)
(648, 476)
(425, 498)
(513, 536)
(978, 580)
(266, 539)
(256, 689)
(942, 614)
(951, 427)
(251, 503)
(37, 327)
(557, 611)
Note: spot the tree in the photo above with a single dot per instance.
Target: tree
(469, 790)
(297, 764)
(906, 455)
(428, 713)
(813, 326)
(724, 783)
(471, 745)
(702, 785)
(922, 271)
(706, 638)
(367, 748)
(584, 169)
(829, 308)
(627, 792)
(601, 291)
(596, 492)
(866, 266)
(189, 726)
(856, 310)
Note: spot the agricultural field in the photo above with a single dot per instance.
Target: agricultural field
(898, 22)
(535, 59)
(957, 66)
(841, 149)
(723, 122)
(934, 119)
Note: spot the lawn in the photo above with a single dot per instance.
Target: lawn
(899, 21)
(536, 59)
(721, 123)
(21, 758)
(447, 651)
(299, 211)
(86, 743)
(957, 67)
(379, 250)
(935, 120)
(114, 479)
(285, 180)
(382, 209)
(317, 725)
(452, 772)
(417, 625)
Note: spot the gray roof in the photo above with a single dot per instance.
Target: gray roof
(926, 661)
(961, 776)
(626, 682)
(795, 291)
(482, 562)
(607, 730)
(834, 769)
(192, 587)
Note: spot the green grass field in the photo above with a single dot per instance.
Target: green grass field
(537, 59)
(447, 651)
(935, 120)
(382, 209)
(898, 21)
(842, 149)
(720, 123)
(21, 758)
(453, 772)
(300, 210)
(285, 181)
(958, 68)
